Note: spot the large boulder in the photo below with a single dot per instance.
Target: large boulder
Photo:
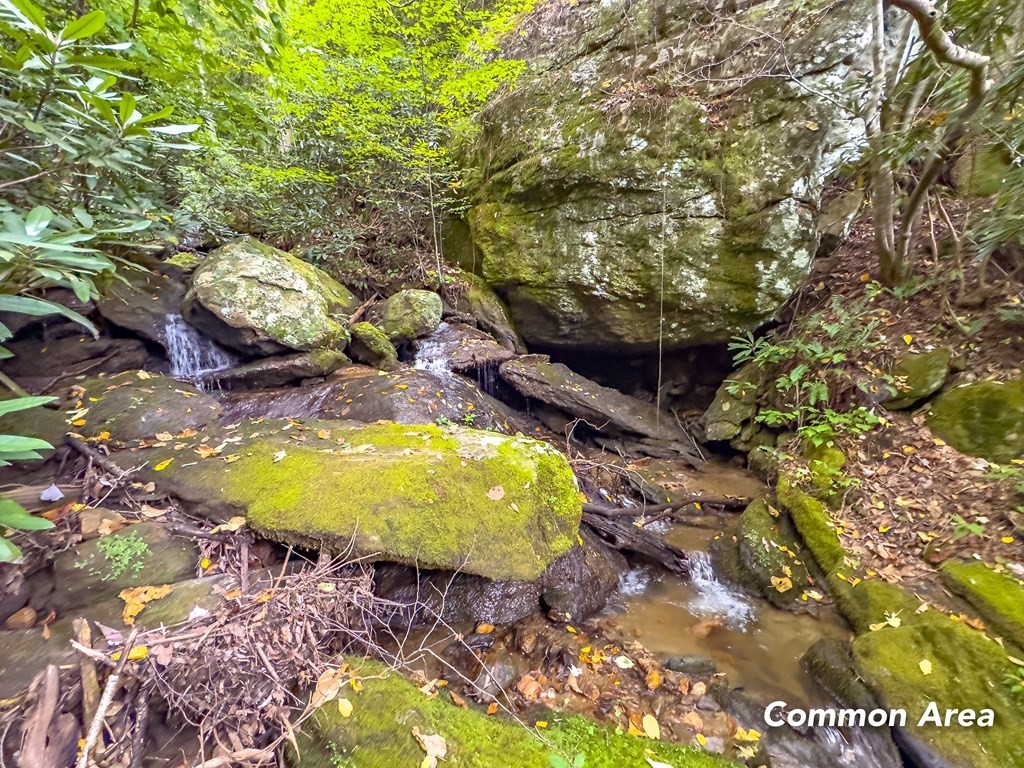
(278, 371)
(410, 314)
(983, 419)
(261, 301)
(371, 346)
(644, 183)
(455, 499)
(919, 375)
(485, 306)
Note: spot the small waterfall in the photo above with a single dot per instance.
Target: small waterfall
(191, 354)
(714, 597)
(292, 403)
(431, 355)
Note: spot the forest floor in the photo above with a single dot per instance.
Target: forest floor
(908, 500)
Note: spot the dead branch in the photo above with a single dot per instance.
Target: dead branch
(630, 538)
(724, 502)
(108, 698)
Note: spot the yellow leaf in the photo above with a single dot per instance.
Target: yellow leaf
(702, 739)
(884, 528)
(782, 584)
(205, 563)
(345, 707)
(79, 422)
(653, 680)
(234, 524)
(162, 465)
(136, 598)
(926, 666)
(908, 338)
(137, 653)
(484, 629)
(541, 723)
(1007, 539)
(492, 708)
(165, 436)
(651, 727)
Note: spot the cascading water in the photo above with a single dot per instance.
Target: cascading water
(431, 357)
(192, 355)
(714, 598)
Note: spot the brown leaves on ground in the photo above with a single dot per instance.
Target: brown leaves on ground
(137, 598)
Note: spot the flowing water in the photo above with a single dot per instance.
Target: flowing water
(430, 355)
(193, 356)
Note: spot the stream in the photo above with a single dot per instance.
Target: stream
(757, 646)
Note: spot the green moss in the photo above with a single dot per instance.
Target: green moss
(998, 597)
(768, 550)
(409, 315)
(966, 672)
(371, 346)
(814, 524)
(867, 602)
(380, 732)
(124, 555)
(921, 375)
(466, 499)
(826, 465)
(983, 419)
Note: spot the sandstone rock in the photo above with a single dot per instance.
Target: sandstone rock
(262, 301)
(602, 190)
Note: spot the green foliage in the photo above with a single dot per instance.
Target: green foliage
(124, 554)
(14, 517)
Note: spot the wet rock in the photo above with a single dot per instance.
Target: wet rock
(371, 346)
(767, 557)
(589, 217)
(142, 304)
(464, 348)
(983, 419)
(607, 411)
(923, 374)
(364, 394)
(486, 307)
(14, 590)
(258, 300)
(695, 666)
(454, 499)
(136, 405)
(277, 371)
(410, 314)
(580, 583)
(994, 592)
(140, 555)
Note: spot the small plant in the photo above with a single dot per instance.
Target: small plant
(123, 554)
(962, 528)
(1015, 681)
(443, 421)
(469, 419)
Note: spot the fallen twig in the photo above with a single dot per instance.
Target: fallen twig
(108, 697)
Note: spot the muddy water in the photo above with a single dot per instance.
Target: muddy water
(757, 645)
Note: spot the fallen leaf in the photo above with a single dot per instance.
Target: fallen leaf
(328, 686)
(653, 680)
(529, 688)
(492, 708)
(433, 744)
(484, 629)
(926, 666)
(497, 493)
(345, 707)
(782, 583)
(279, 455)
(164, 436)
(541, 723)
(136, 598)
(162, 465)
(234, 524)
(623, 662)
(651, 727)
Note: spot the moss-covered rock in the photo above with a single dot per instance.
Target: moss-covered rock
(490, 312)
(134, 405)
(456, 499)
(735, 404)
(771, 558)
(982, 419)
(814, 523)
(388, 708)
(922, 374)
(259, 300)
(997, 595)
(371, 346)
(139, 555)
(964, 670)
(408, 315)
(610, 212)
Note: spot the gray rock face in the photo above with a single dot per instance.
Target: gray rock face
(408, 315)
(281, 370)
(659, 149)
(143, 303)
(261, 301)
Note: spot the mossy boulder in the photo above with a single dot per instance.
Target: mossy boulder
(964, 670)
(371, 346)
(261, 301)
(983, 419)
(922, 375)
(139, 555)
(996, 594)
(388, 708)
(732, 411)
(410, 314)
(455, 499)
(815, 525)
(770, 556)
(135, 405)
(611, 213)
